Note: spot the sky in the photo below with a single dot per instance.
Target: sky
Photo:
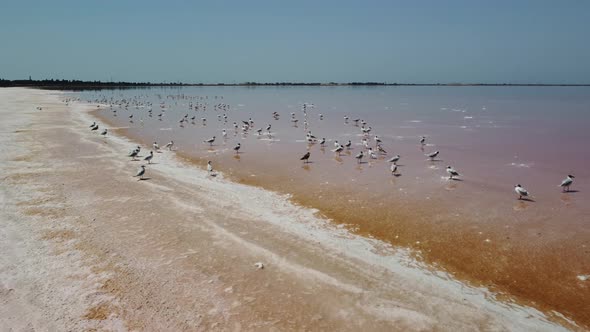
(422, 41)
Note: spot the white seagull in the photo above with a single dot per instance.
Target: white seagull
(452, 172)
(565, 184)
(169, 145)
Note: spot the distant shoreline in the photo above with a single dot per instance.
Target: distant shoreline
(84, 85)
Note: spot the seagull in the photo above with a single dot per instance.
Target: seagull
(520, 191)
(92, 125)
(209, 167)
(432, 155)
(348, 144)
(104, 132)
(224, 133)
(149, 157)
(210, 141)
(169, 145)
(133, 154)
(372, 154)
(565, 184)
(156, 146)
(237, 148)
(336, 144)
(338, 149)
(423, 140)
(323, 141)
(94, 128)
(305, 157)
(394, 159)
(140, 172)
(393, 169)
(359, 157)
(377, 140)
(381, 149)
(452, 172)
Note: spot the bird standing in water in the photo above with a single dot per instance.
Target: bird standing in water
(305, 157)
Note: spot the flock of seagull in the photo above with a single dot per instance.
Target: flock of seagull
(368, 151)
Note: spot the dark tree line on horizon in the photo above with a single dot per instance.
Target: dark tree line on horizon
(64, 84)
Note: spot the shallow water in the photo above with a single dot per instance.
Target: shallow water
(494, 136)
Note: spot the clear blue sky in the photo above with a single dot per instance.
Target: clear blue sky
(234, 41)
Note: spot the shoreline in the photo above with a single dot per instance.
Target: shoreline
(374, 284)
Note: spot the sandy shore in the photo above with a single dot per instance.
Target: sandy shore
(87, 246)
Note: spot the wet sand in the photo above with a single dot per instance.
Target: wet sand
(532, 252)
(87, 246)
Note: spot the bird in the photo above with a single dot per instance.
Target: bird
(133, 154)
(104, 132)
(359, 157)
(224, 133)
(422, 140)
(94, 128)
(322, 141)
(209, 167)
(149, 157)
(92, 125)
(394, 159)
(348, 144)
(393, 169)
(169, 145)
(237, 147)
(452, 172)
(259, 265)
(210, 141)
(565, 184)
(305, 157)
(336, 144)
(372, 154)
(338, 149)
(381, 149)
(156, 146)
(520, 191)
(432, 155)
(140, 172)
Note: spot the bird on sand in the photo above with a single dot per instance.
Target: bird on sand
(169, 145)
(133, 154)
(140, 172)
(237, 148)
(209, 167)
(149, 157)
(104, 132)
(566, 183)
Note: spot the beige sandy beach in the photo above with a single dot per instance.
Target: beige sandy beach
(86, 246)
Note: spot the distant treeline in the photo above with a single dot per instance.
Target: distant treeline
(87, 85)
